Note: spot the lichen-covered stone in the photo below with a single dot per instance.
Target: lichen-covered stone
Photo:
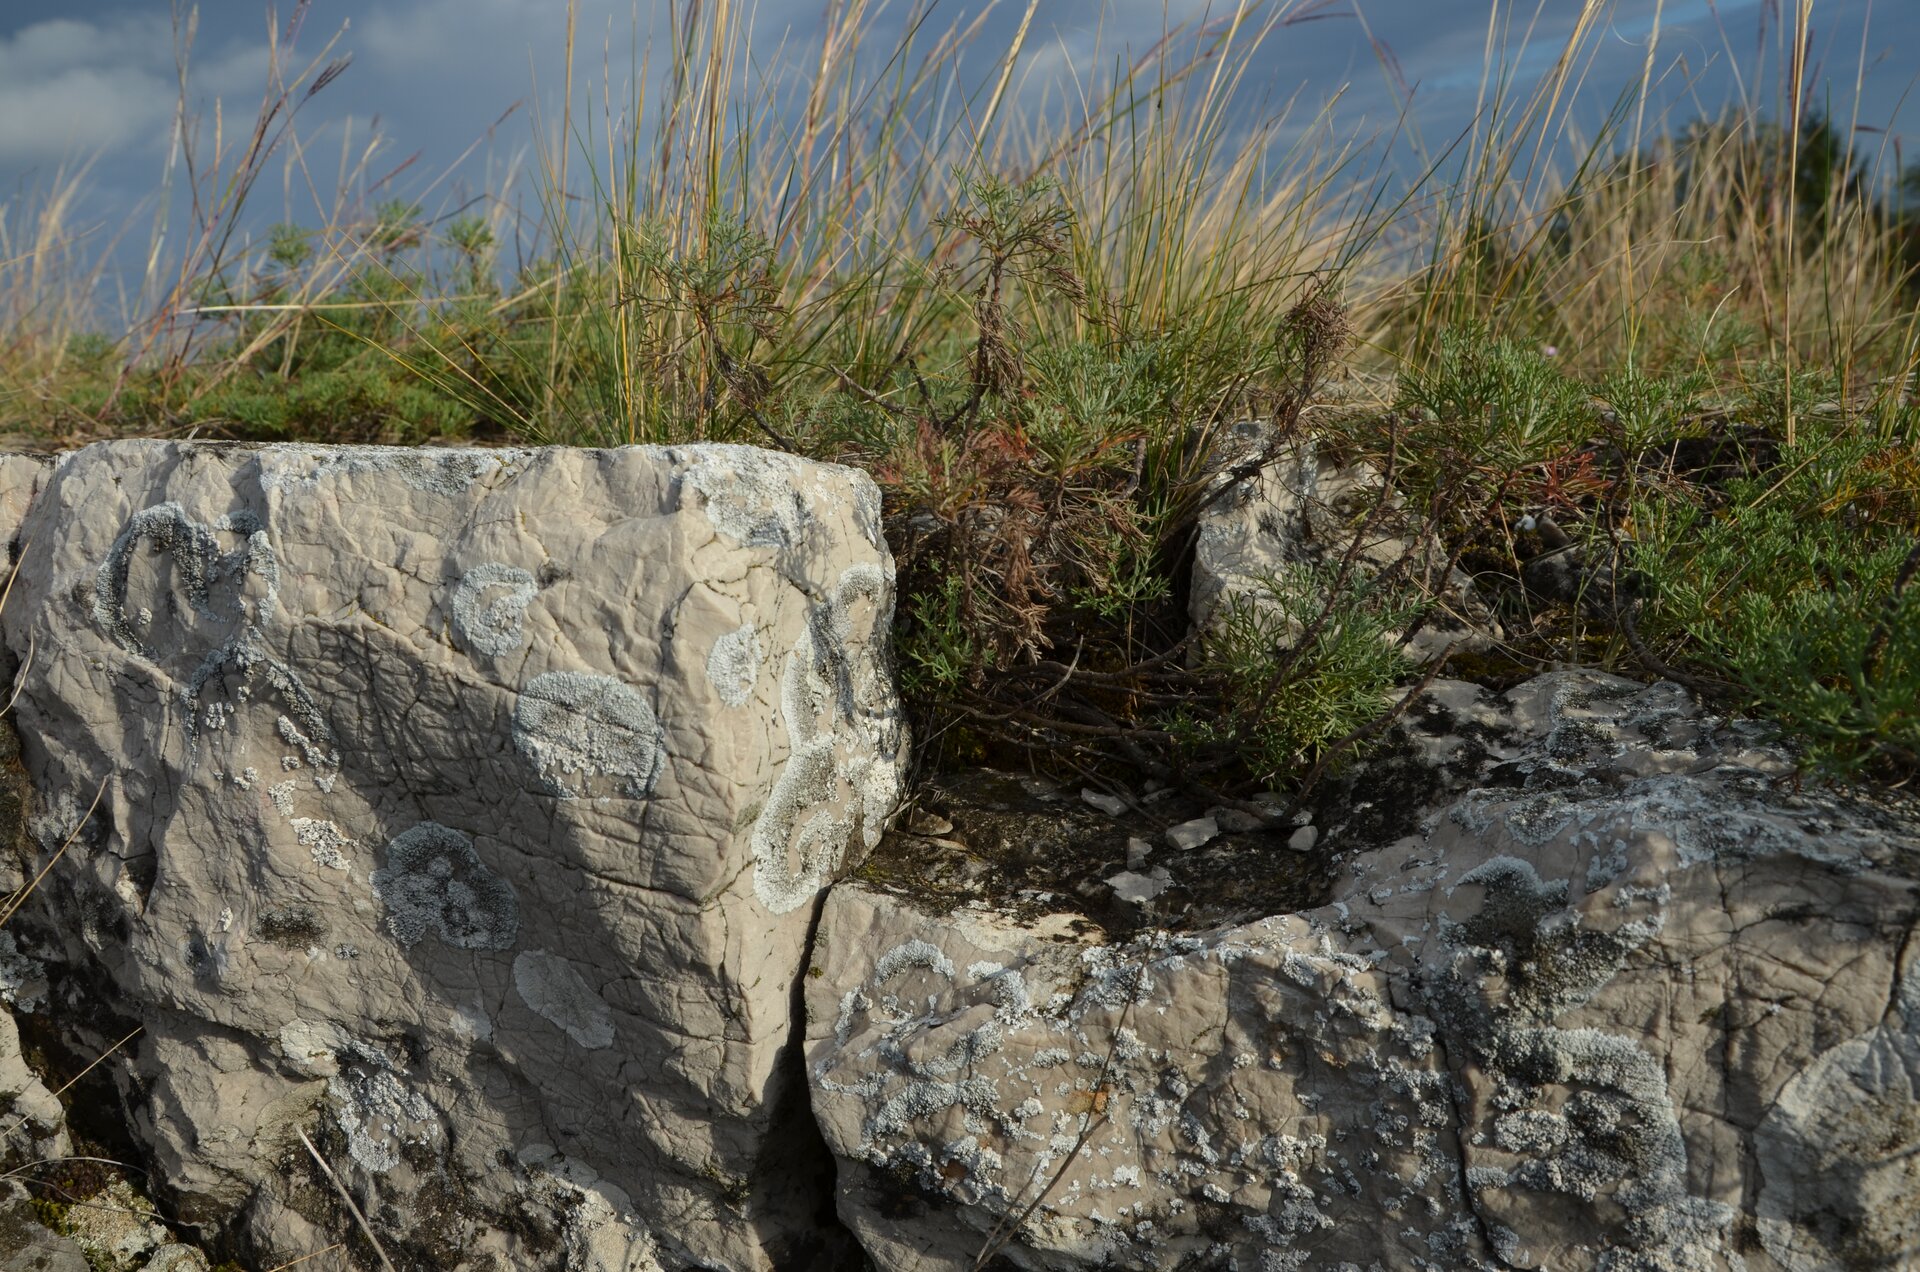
(455, 802)
(1305, 509)
(1625, 999)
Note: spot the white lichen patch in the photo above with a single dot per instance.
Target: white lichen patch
(554, 989)
(846, 748)
(572, 724)
(754, 497)
(434, 882)
(471, 1024)
(489, 607)
(323, 839)
(733, 666)
(312, 1047)
(377, 1112)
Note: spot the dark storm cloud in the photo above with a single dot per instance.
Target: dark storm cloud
(94, 79)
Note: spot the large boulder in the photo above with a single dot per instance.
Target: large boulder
(463, 813)
(1626, 997)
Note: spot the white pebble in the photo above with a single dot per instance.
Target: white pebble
(1191, 834)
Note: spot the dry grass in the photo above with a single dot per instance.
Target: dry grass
(1679, 235)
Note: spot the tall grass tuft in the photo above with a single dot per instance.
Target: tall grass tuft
(1034, 315)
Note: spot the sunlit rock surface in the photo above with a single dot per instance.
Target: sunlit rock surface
(1624, 999)
(463, 811)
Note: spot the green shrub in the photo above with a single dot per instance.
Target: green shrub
(1798, 592)
(1304, 664)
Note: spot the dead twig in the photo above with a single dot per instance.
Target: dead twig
(1096, 1116)
(346, 1197)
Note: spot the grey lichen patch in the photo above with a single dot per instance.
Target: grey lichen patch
(569, 723)
(323, 840)
(377, 1112)
(1583, 1113)
(434, 882)
(733, 666)
(753, 496)
(489, 607)
(445, 471)
(555, 990)
(198, 563)
(60, 822)
(846, 748)
(237, 592)
(23, 978)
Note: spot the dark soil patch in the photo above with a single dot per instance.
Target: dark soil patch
(1029, 847)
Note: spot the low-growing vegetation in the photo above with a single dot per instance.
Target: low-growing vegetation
(1679, 366)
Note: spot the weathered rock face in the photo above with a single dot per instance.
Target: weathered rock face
(464, 811)
(1305, 509)
(1625, 1000)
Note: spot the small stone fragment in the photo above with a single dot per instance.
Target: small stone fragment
(1303, 839)
(1233, 821)
(1192, 834)
(1140, 888)
(929, 824)
(1138, 850)
(1111, 805)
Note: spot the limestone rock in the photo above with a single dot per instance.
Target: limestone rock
(21, 477)
(1305, 509)
(1624, 999)
(118, 1231)
(32, 1123)
(1196, 833)
(27, 1246)
(465, 810)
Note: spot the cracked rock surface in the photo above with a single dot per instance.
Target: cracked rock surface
(1622, 999)
(464, 811)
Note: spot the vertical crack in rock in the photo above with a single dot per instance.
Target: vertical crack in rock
(794, 1179)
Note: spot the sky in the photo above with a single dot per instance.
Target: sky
(95, 82)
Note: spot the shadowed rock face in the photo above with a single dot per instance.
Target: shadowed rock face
(1623, 1000)
(465, 810)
